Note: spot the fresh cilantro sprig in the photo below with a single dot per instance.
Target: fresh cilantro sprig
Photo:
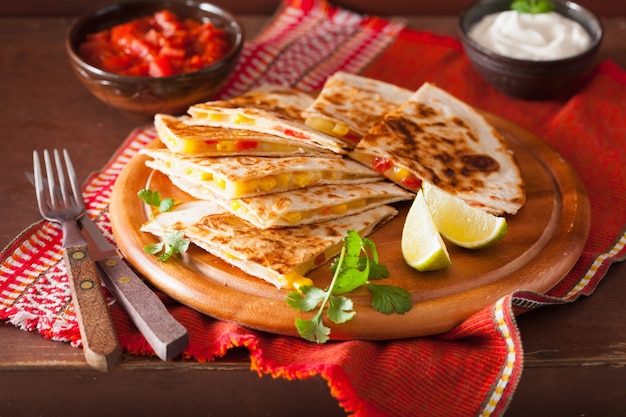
(172, 243)
(357, 264)
(532, 6)
(154, 200)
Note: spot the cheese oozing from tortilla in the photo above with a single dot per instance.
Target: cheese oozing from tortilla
(315, 204)
(197, 140)
(236, 177)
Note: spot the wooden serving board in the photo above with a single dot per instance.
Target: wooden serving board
(544, 241)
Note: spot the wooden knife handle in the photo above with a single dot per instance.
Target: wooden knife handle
(100, 343)
(167, 336)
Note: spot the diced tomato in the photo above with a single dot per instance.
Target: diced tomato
(320, 259)
(115, 63)
(159, 45)
(161, 67)
(170, 52)
(352, 137)
(412, 182)
(242, 145)
(380, 164)
(292, 133)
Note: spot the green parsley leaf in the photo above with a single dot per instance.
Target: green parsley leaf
(340, 309)
(313, 330)
(532, 6)
(154, 200)
(307, 299)
(356, 264)
(172, 244)
(166, 205)
(153, 248)
(388, 299)
(150, 197)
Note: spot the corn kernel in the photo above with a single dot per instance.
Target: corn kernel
(339, 209)
(293, 218)
(399, 173)
(220, 182)
(320, 124)
(267, 183)
(218, 117)
(282, 180)
(301, 179)
(226, 145)
(241, 119)
(340, 129)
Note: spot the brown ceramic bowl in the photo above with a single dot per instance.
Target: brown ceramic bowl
(150, 95)
(527, 79)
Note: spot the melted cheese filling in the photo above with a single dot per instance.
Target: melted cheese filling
(395, 173)
(296, 217)
(328, 126)
(199, 146)
(270, 183)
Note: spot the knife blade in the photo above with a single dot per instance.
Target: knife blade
(167, 337)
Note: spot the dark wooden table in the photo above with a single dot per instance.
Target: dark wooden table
(574, 354)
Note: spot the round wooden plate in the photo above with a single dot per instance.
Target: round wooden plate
(544, 241)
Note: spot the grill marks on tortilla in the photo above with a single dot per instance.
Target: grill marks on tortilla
(283, 102)
(356, 101)
(438, 148)
(278, 249)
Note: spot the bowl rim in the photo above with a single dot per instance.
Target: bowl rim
(560, 5)
(111, 5)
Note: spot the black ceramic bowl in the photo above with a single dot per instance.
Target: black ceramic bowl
(150, 95)
(527, 79)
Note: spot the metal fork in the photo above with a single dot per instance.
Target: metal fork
(65, 205)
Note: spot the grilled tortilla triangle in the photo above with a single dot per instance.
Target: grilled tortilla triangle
(247, 176)
(269, 109)
(281, 256)
(305, 205)
(437, 138)
(348, 105)
(185, 138)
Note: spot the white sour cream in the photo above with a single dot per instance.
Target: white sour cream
(537, 37)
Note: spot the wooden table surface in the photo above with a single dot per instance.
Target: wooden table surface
(574, 355)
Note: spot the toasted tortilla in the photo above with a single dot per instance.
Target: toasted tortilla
(348, 105)
(248, 176)
(282, 256)
(315, 204)
(269, 109)
(196, 140)
(437, 138)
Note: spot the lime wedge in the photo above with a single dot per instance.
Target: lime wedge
(422, 245)
(460, 223)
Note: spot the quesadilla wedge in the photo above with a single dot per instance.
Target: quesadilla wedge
(270, 109)
(315, 204)
(348, 105)
(196, 140)
(282, 256)
(247, 176)
(437, 138)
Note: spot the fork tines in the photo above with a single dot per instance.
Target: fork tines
(69, 199)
